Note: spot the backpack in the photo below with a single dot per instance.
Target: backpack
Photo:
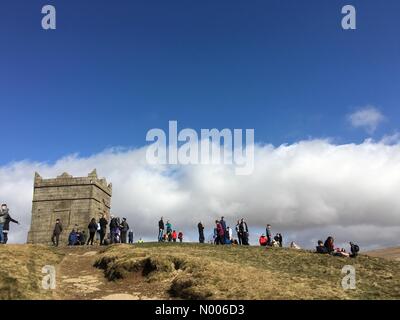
(356, 248)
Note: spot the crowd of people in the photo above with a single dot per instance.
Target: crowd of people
(120, 232)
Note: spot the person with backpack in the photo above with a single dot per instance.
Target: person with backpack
(174, 236)
(239, 234)
(201, 232)
(56, 233)
(180, 236)
(103, 229)
(6, 226)
(161, 230)
(92, 231)
(354, 249)
(124, 227)
(130, 236)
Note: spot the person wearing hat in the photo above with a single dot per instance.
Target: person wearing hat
(124, 227)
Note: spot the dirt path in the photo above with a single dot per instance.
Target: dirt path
(77, 279)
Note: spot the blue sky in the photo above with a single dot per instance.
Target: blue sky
(115, 69)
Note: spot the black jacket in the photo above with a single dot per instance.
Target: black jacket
(8, 219)
(103, 223)
(58, 228)
(201, 227)
(92, 227)
(124, 226)
(161, 224)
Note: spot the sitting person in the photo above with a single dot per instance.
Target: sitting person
(73, 238)
(294, 245)
(340, 253)
(321, 248)
(354, 250)
(275, 244)
(329, 245)
(278, 238)
(263, 240)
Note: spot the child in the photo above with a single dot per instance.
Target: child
(180, 236)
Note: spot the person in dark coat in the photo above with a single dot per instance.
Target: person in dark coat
(223, 225)
(103, 228)
(278, 238)
(244, 231)
(161, 230)
(201, 232)
(124, 230)
(92, 231)
(321, 248)
(56, 233)
(268, 233)
(130, 236)
(329, 245)
(6, 225)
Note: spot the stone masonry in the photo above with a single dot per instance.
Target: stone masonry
(73, 200)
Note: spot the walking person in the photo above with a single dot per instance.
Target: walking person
(92, 231)
(103, 228)
(6, 226)
(124, 230)
(201, 232)
(56, 233)
(161, 230)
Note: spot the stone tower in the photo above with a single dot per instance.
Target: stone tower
(73, 200)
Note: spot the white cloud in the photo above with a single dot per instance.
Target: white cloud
(367, 118)
(307, 191)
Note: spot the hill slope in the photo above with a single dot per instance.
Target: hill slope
(388, 253)
(192, 271)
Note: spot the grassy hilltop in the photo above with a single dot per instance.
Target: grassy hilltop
(191, 271)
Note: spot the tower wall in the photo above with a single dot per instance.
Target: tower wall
(73, 200)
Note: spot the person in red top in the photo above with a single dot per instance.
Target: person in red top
(220, 233)
(263, 240)
(180, 236)
(174, 236)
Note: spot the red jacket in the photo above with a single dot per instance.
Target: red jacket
(220, 230)
(263, 240)
(174, 235)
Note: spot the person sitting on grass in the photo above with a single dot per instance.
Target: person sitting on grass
(329, 245)
(321, 248)
(73, 238)
(263, 240)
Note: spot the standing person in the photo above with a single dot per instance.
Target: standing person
(244, 230)
(169, 230)
(228, 235)
(223, 225)
(180, 236)
(124, 230)
(103, 228)
(161, 230)
(220, 233)
(239, 234)
(174, 236)
(56, 233)
(6, 226)
(268, 233)
(92, 231)
(201, 232)
(2, 220)
(130, 236)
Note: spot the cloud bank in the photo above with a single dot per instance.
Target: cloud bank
(307, 191)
